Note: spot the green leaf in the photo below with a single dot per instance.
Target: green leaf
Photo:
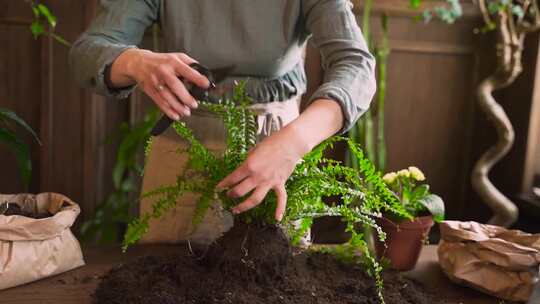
(384, 24)
(135, 230)
(37, 29)
(119, 172)
(420, 192)
(7, 114)
(51, 19)
(22, 153)
(128, 185)
(446, 13)
(427, 16)
(35, 10)
(415, 3)
(435, 205)
(518, 11)
(494, 7)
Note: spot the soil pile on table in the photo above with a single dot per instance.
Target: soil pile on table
(252, 265)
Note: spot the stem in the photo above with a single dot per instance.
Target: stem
(369, 136)
(359, 133)
(382, 59)
(350, 159)
(368, 4)
(58, 39)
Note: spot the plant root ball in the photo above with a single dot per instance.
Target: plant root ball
(251, 252)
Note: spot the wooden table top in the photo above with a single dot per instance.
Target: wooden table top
(78, 285)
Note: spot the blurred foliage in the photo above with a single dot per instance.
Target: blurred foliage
(113, 214)
(448, 14)
(8, 137)
(451, 12)
(8, 119)
(369, 131)
(44, 23)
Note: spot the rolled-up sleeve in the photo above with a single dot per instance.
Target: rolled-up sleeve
(120, 25)
(349, 67)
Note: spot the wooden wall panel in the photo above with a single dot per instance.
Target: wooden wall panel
(428, 128)
(72, 123)
(79, 119)
(430, 106)
(65, 114)
(20, 86)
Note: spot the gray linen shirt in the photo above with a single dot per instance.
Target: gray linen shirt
(264, 39)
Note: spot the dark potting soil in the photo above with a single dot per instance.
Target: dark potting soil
(9, 209)
(252, 265)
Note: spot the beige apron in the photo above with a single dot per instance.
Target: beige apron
(164, 164)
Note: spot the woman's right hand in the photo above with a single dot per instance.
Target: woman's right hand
(158, 76)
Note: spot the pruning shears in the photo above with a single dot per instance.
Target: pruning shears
(214, 76)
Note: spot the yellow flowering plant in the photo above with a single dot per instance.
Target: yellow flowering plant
(414, 195)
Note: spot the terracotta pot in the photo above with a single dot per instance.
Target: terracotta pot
(404, 241)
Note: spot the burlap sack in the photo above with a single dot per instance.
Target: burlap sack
(164, 164)
(32, 249)
(500, 262)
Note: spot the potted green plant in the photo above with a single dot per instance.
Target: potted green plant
(10, 122)
(8, 137)
(405, 237)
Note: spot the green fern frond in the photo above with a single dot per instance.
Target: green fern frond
(203, 204)
(168, 196)
(388, 201)
(159, 191)
(148, 147)
(200, 158)
(135, 230)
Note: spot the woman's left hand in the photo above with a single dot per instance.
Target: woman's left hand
(267, 167)
(272, 161)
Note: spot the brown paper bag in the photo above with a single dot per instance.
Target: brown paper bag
(32, 249)
(500, 262)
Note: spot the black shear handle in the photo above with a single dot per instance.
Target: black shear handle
(197, 92)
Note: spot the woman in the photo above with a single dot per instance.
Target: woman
(264, 41)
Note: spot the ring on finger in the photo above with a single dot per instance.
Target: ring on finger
(160, 87)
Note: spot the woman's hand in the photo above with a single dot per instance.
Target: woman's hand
(267, 167)
(158, 76)
(272, 161)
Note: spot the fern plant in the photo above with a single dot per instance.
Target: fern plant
(362, 192)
